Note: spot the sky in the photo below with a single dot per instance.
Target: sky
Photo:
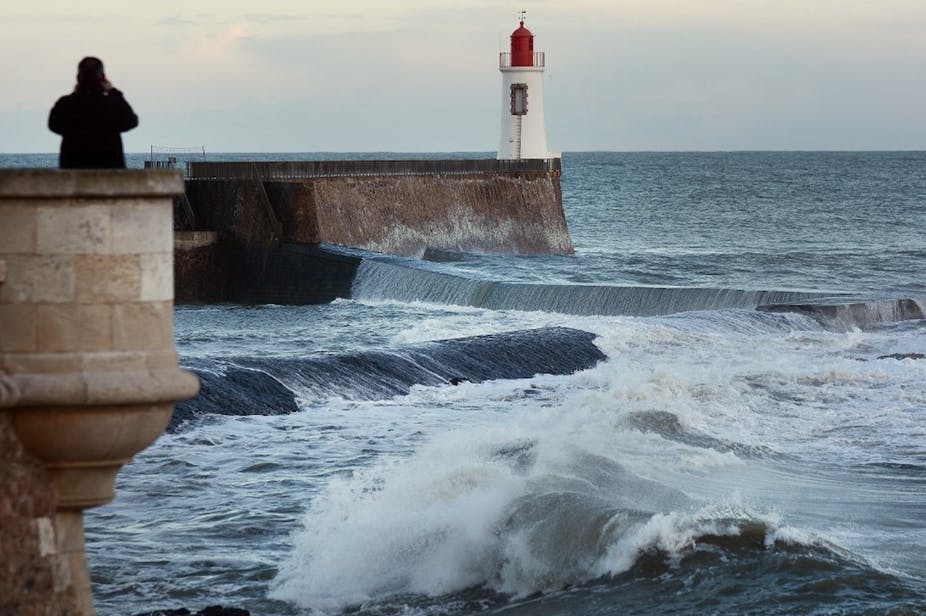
(422, 75)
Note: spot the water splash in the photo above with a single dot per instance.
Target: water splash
(393, 280)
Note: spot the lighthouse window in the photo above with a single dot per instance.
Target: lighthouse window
(519, 99)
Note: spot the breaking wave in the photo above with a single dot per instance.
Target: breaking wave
(524, 522)
(272, 386)
(391, 280)
(394, 280)
(863, 314)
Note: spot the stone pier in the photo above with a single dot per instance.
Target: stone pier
(259, 232)
(396, 207)
(88, 368)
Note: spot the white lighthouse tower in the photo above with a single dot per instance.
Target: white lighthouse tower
(523, 132)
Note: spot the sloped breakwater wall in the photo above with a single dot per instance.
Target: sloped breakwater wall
(257, 231)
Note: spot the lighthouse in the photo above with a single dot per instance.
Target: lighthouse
(523, 133)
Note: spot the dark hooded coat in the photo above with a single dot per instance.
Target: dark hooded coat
(90, 122)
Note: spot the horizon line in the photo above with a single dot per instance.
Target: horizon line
(591, 151)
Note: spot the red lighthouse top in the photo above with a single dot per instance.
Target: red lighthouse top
(522, 47)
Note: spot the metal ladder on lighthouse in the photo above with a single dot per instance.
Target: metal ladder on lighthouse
(517, 137)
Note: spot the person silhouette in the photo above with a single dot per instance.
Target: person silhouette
(90, 121)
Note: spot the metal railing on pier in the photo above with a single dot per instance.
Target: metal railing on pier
(170, 163)
(270, 170)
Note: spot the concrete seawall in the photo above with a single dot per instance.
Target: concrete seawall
(393, 207)
(407, 215)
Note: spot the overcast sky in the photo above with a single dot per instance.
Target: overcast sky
(422, 75)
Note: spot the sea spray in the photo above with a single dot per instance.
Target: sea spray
(785, 428)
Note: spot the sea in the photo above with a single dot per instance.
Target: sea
(717, 405)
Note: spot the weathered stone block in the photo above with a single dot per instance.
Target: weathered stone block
(17, 327)
(18, 231)
(41, 363)
(65, 328)
(34, 279)
(143, 326)
(160, 360)
(157, 276)
(77, 229)
(107, 278)
(137, 228)
(118, 361)
(69, 530)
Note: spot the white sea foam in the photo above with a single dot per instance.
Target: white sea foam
(575, 476)
(519, 509)
(782, 427)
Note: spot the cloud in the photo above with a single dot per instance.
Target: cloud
(620, 73)
(223, 40)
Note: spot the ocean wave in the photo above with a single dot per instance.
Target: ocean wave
(843, 313)
(274, 386)
(513, 528)
(405, 281)
(395, 279)
(669, 426)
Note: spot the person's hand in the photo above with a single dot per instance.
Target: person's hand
(106, 85)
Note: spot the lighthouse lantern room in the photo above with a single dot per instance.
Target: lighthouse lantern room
(523, 134)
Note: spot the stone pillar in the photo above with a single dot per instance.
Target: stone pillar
(88, 368)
